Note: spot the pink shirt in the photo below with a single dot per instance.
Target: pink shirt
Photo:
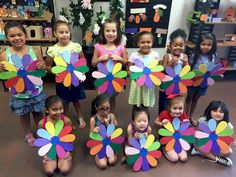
(102, 51)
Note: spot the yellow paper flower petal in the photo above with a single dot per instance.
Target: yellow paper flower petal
(8, 66)
(67, 80)
(221, 126)
(169, 127)
(116, 68)
(203, 68)
(68, 138)
(116, 133)
(50, 128)
(185, 70)
(155, 80)
(150, 140)
(153, 63)
(59, 61)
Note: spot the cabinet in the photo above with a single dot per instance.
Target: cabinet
(35, 23)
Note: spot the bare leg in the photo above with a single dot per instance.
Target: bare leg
(112, 161)
(172, 156)
(64, 165)
(49, 166)
(193, 107)
(25, 123)
(77, 107)
(101, 163)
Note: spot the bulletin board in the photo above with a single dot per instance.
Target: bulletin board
(148, 15)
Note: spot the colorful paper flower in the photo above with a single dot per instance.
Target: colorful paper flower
(207, 74)
(23, 74)
(148, 73)
(106, 141)
(109, 77)
(178, 136)
(177, 80)
(213, 137)
(70, 69)
(143, 153)
(55, 141)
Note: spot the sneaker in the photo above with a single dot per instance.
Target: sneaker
(195, 152)
(224, 161)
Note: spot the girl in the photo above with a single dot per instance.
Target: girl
(101, 115)
(54, 112)
(67, 94)
(110, 47)
(142, 95)
(216, 110)
(174, 58)
(205, 52)
(175, 109)
(26, 102)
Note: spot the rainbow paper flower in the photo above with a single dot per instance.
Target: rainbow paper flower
(70, 69)
(22, 75)
(109, 77)
(214, 138)
(55, 141)
(106, 141)
(147, 73)
(177, 80)
(207, 74)
(178, 136)
(143, 153)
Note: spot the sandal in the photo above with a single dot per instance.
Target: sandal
(29, 138)
(82, 123)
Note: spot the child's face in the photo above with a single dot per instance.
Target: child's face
(56, 110)
(141, 121)
(16, 37)
(217, 114)
(110, 32)
(206, 46)
(177, 46)
(63, 34)
(145, 44)
(176, 109)
(104, 109)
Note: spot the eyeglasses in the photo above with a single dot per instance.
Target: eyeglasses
(104, 109)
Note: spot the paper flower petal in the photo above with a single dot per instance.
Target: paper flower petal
(212, 124)
(68, 138)
(8, 66)
(102, 130)
(116, 68)
(109, 151)
(94, 150)
(98, 75)
(60, 151)
(50, 128)
(44, 149)
(150, 140)
(184, 144)
(26, 60)
(41, 142)
(221, 126)
(66, 56)
(16, 60)
(116, 133)
(43, 134)
(66, 130)
(152, 161)
(67, 146)
(134, 143)
(131, 151)
(138, 164)
(110, 129)
(59, 61)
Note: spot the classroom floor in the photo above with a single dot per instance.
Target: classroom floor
(19, 160)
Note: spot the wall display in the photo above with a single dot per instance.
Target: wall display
(147, 15)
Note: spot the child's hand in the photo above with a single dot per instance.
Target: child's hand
(184, 59)
(165, 121)
(137, 135)
(115, 57)
(2, 68)
(96, 129)
(41, 65)
(146, 134)
(104, 57)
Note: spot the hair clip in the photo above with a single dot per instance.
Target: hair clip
(63, 18)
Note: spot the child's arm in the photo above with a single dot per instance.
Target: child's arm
(127, 68)
(92, 126)
(40, 124)
(129, 132)
(158, 122)
(41, 63)
(67, 121)
(49, 63)
(184, 59)
(123, 59)
(96, 59)
(113, 120)
(2, 58)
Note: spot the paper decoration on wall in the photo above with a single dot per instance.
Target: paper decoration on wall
(106, 142)
(160, 32)
(22, 75)
(70, 69)
(158, 12)
(55, 140)
(109, 77)
(88, 36)
(213, 137)
(148, 73)
(143, 153)
(207, 74)
(176, 81)
(86, 4)
(139, 1)
(137, 15)
(177, 136)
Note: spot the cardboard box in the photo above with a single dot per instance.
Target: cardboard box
(34, 32)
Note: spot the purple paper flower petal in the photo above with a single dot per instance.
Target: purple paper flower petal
(176, 89)
(134, 143)
(138, 63)
(204, 127)
(102, 68)
(215, 148)
(67, 146)
(110, 89)
(74, 58)
(170, 71)
(26, 60)
(217, 67)
(102, 153)
(177, 147)
(148, 82)
(145, 164)
(102, 130)
(184, 126)
(35, 92)
(28, 84)
(41, 142)
(74, 80)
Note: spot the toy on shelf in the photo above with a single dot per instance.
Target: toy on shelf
(48, 32)
(3, 12)
(2, 33)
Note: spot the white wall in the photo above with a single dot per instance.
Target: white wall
(179, 12)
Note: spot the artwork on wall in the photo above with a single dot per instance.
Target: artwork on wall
(147, 15)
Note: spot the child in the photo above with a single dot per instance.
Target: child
(141, 95)
(205, 52)
(110, 47)
(174, 58)
(140, 123)
(26, 102)
(67, 94)
(101, 115)
(216, 110)
(54, 112)
(175, 109)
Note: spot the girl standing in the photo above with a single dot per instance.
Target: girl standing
(67, 94)
(26, 102)
(205, 52)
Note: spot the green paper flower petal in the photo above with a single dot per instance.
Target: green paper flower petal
(198, 73)
(157, 68)
(216, 77)
(82, 69)
(189, 139)
(7, 75)
(165, 85)
(52, 153)
(154, 146)
(202, 141)
(38, 73)
(116, 147)
(95, 136)
(121, 74)
(58, 127)
(99, 82)
(164, 132)
(131, 159)
(136, 75)
(189, 75)
(226, 132)
(58, 69)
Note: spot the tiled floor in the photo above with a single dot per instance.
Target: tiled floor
(18, 160)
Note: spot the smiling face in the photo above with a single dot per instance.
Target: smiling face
(206, 46)
(217, 114)
(176, 109)
(145, 43)
(55, 110)
(16, 37)
(104, 109)
(63, 34)
(110, 32)
(177, 46)
(141, 121)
